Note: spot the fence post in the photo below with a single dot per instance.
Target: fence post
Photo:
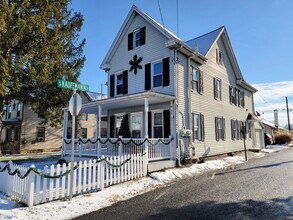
(30, 188)
(102, 173)
(145, 158)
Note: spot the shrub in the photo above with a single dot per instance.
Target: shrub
(283, 137)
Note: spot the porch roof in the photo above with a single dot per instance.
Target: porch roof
(126, 101)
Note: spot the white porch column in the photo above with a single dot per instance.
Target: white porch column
(146, 110)
(65, 125)
(98, 130)
(146, 157)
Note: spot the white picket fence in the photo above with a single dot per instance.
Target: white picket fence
(156, 149)
(92, 175)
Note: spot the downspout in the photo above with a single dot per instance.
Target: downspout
(176, 122)
(189, 100)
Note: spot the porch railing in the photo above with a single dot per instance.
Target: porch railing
(158, 148)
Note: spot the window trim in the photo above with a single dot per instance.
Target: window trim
(195, 82)
(131, 128)
(219, 56)
(37, 138)
(218, 94)
(220, 131)
(153, 71)
(116, 83)
(115, 121)
(153, 121)
(135, 39)
(200, 126)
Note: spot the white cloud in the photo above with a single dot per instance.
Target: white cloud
(271, 96)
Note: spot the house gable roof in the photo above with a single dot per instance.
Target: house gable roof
(132, 13)
(207, 41)
(204, 42)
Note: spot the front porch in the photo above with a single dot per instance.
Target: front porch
(151, 124)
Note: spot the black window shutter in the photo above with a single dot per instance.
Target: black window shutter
(147, 85)
(223, 130)
(150, 124)
(216, 129)
(200, 82)
(230, 94)
(112, 85)
(130, 41)
(166, 72)
(112, 126)
(142, 36)
(167, 121)
(125, 82)
(215, 89)
(202, 127)
(232, 130)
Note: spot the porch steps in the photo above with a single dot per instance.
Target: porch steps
(160, 165)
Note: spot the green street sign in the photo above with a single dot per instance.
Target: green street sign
(63, 84)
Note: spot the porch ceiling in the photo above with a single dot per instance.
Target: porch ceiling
(125, 101)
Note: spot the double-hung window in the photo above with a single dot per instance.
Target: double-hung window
(198, 127)
(158, 124)
(235, 132)
(40, 134)
(9, 111)
(119, 84)
(18, 109)
(241, 99)
(219, 56)
(157, 74)
(136, 38)
(197, 79)
(217, 89)
(220, 128)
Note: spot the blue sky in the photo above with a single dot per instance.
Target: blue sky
(260, 32)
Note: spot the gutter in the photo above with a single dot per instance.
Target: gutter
(185, 49)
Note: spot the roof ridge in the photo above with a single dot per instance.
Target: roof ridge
(206, 33)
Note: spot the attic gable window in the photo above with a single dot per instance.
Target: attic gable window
(136, 38)
(219, 56)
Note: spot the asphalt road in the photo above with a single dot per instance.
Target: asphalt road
(259, 189)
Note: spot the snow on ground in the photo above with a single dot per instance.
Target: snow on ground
(274, 148)
(94, 201)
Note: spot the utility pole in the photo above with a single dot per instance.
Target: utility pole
(288, 117)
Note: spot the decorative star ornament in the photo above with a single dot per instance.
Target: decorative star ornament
(134, 64)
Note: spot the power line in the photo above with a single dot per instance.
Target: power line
(270, 104)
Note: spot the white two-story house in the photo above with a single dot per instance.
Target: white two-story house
(191, 92)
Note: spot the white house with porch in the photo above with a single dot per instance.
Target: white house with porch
(183, 99)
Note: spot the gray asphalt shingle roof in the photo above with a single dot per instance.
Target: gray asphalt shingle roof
(205, 41)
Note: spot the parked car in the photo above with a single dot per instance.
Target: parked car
(268, 139)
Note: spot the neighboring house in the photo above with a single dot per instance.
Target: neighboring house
(191, 91)
(23, 131)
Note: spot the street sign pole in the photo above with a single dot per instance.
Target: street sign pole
(75, 104)
(72, 146)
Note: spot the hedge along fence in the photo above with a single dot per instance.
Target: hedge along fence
(32, 186)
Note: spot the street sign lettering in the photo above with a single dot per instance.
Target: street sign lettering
(63, 84)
